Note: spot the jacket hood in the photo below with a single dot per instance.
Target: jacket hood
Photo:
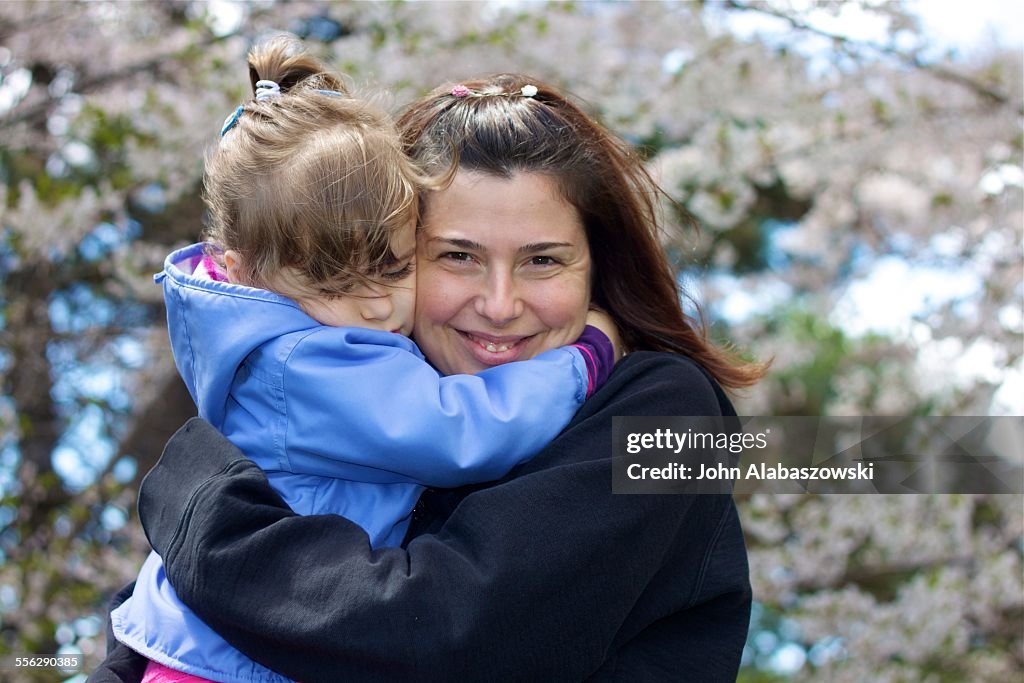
(215, 325)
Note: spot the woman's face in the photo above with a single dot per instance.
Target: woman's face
(503, 272)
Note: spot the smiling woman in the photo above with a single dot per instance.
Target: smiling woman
(504, 272)
(543, 574)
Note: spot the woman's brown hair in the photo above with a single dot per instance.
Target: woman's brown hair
(489, 126)
(309, 185)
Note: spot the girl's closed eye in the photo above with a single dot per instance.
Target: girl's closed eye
(400, 274)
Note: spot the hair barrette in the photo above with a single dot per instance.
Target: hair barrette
(462, 91)
(231, 120)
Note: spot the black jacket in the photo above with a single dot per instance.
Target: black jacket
(544, 575)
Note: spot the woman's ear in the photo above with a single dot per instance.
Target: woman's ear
(233, 264)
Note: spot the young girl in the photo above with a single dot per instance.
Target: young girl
(290, 330)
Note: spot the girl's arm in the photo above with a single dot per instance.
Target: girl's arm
(544, 576)
(403, 422)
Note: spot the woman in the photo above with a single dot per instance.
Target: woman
(544, 575)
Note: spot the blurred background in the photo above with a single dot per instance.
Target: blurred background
(856, 171)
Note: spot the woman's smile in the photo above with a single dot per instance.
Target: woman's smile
(494, 350)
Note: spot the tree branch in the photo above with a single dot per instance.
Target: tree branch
(912, 60)
(37, 112)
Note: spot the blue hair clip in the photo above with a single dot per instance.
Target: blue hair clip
(231, 120)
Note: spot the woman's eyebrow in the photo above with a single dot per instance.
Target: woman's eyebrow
(542, 246)
(470, 245)
(458, 242)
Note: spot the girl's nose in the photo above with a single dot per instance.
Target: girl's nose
(376, 307)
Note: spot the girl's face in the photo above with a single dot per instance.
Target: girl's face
(503, 272)
(387, 306)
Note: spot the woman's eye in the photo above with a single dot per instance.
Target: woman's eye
(543, 261)
(456, 256)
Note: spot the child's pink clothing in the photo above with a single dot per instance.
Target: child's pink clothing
(209, 268)
(158, 673)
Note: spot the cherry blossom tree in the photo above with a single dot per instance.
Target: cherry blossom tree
(821, 168)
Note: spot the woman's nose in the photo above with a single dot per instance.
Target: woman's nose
(376, 307)
(499, 302)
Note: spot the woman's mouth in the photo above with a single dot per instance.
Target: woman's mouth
(492, 350)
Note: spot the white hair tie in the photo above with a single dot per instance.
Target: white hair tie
(266, 89)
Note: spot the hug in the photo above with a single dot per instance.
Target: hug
(406, 343)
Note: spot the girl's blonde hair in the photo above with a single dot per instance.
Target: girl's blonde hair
(311, 183)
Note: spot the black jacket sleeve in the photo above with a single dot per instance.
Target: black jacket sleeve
(544, 575)
(122, 665)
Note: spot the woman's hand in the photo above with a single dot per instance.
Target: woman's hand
(604, 322)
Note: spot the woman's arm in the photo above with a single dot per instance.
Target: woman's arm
(545, 575)
(122, 664)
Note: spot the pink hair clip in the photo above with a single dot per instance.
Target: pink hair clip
(460, 91)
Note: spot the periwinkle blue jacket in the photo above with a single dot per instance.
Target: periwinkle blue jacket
(343, 420)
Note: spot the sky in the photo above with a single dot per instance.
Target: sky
(965, 26)
(970, 24)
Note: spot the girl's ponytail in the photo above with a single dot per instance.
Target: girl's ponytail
(282, 60)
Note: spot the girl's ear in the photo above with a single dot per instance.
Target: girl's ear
(233, 264)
